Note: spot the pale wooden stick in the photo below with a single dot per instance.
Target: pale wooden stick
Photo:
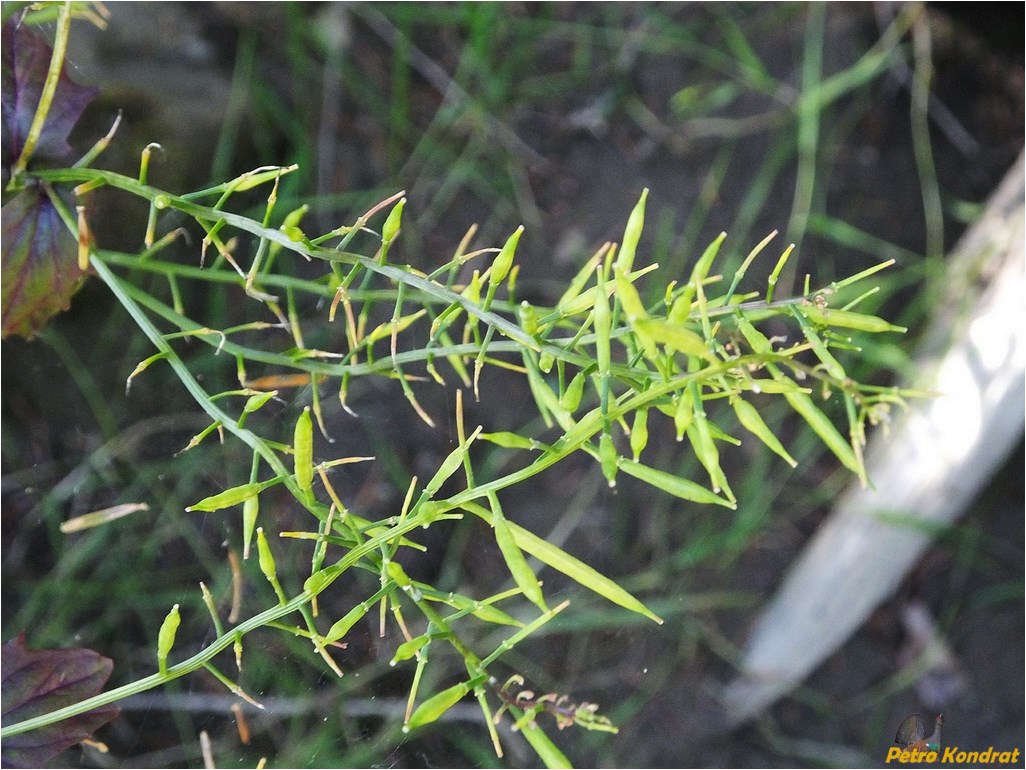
(938, 456)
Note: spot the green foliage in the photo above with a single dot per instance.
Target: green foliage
(603, 366)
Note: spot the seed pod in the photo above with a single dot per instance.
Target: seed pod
(750, 418)
(303, 448)
(504, 261)
(631, 235)
(510, 440)
(607, 457)
(518, 567)
(684, 413)
(673, 485)
(265, 556)
(528, 317)
(390, 229)
(639, 432)
(571, 398)
(166, 637)
(431, 709)
(848, 320)
(346, 622)
(407, 650)
(226, 499)
(250, 509)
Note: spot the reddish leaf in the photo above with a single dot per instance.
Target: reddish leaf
(39, 272)
(39, 267)
(23, 67)
(37, 682)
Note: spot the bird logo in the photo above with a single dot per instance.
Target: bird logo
(912, 733)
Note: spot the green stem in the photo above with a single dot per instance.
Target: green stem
(53, 76)
(224, 641)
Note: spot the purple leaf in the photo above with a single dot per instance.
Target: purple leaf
(37, 682)
(39, 265)
(25, 59)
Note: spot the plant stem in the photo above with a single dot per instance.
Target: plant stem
(53, 76)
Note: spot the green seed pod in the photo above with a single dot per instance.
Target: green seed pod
(449, 466)
(250, 509)
(472, 291)
(631, 235)
(831, 364)
(528, 317)
(675, 338)
(571, 398)
(758, 340)
(226, 499)
(683, 415)
(848, 320)
(398, 574)
(342, 626)
(517, 565)
(303, 448)
(705, 446)
(824, 428)
(750, 418)
(431, 709)
(166, 637)
(265, 556)
(680, 310)
(321, 579)
(294, 217)
(629, 298)
(504, 261)
(407, 650)
(639, 432)
(390, 229)
(253, 403)
(607, 457)
(510, 440)
(701, 269)
(674, 485)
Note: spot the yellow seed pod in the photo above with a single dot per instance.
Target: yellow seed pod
(166, 637)
(303, 447)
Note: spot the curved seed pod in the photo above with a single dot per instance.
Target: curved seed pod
(390, 229)
(750, 418)
(673, 485)
(407, 650)
(166, 637)
(518, 567)
(848, 319)
(504, 261)
(265, 556)
(632, 234)
(510, 440)
(346, 622)
(577, 570)
(226, 499)
(431, 709)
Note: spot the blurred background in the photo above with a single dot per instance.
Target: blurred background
(554, 116)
